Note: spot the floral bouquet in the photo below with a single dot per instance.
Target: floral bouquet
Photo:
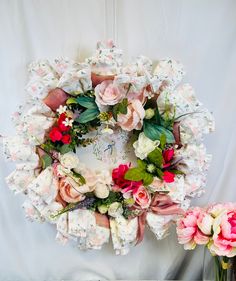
(214, 227)
(71, 106)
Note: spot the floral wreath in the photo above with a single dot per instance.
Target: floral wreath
(68, 104)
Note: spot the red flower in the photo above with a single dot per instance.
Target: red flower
(60, 121)
(168, 176)
(66, 139)
(168, 156)
(118, 176)
(55, 134)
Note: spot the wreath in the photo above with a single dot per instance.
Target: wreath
(142, 113)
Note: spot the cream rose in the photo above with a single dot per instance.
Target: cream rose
(115, 209)
(69, 160)
(108, 93)
(133, 120)
(101, 190)
(143, 146)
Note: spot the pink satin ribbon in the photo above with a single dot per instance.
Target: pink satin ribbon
(55, 98)
(161, 205)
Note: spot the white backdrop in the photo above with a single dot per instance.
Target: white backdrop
(202, 34)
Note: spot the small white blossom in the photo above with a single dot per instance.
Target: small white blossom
(107, 130)
(115, 210)
(62, 109)
(68, 122)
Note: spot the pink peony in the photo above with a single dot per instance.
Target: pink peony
(188, 231)
(118, 177)
(107, 93)
(142, 197)
(224, 230)
(133, 120)
(168, 176)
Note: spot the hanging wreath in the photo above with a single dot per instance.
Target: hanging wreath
(132, 111)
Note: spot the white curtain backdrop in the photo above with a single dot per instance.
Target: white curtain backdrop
(202, 34)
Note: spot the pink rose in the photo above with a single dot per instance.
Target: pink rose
(224, 230)
(188, 231)
(142, 197)
(108, 93)
(133, 120)
(68, 191)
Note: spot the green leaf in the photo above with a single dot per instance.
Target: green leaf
(71, 101)
(134, 174)
(157, 117)
(162, 141)
(177, 172)
(159, 173)
(87, 102)
(141, 164)
(75, 93)
(120, 108)
(81, 178)
(156, 157)
(46, 161)
(154, 132)
(147, 178)
(88, 115)
(65, 148)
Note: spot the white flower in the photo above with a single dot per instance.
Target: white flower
(69, 160)
(143, 146)
(68, 122)
(62, 109)
(101, 190)
(115, 209)
(107, 130)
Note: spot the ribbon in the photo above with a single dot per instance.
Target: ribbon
(102, 220)
(161, 204)
(176, 133)
(55, 98)
(98, 79)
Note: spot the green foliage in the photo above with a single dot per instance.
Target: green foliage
(134, 174)
(139, 174)
(46, 160)
(120, 108)
(71, 101)
(154, 132)
(80, 177)
(177, 172)
(88, 115)
(65, 148)
(155, 157)
(87, 102)
(162, 141)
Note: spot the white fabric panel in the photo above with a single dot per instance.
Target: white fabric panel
(199, 33)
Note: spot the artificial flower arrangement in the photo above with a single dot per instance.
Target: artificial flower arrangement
(68, 104)
(214, 227)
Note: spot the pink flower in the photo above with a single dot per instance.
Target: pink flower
(118, 177)
(107, 93)
(68, 191)
(142, 197)
(168, 176)
(168, 155)
(224, 230)
(133, 120)
(188, 231)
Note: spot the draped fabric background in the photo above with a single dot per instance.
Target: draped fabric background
(202, 34)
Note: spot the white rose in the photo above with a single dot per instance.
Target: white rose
(143, 146)
(69, 160)
(115, 209)
(101, 190)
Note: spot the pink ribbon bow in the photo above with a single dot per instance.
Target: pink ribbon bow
(161, 205)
